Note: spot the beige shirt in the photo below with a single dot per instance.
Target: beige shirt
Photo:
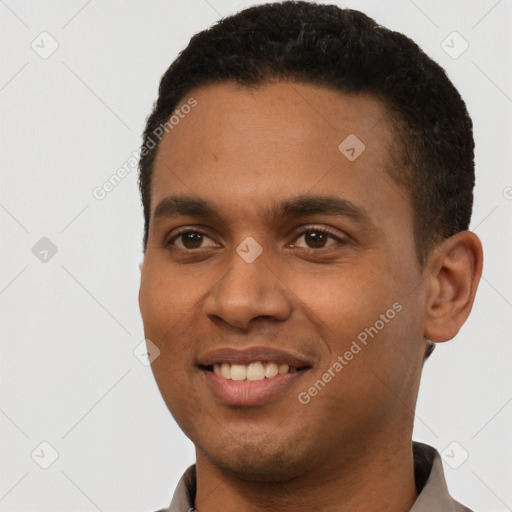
(428, 471)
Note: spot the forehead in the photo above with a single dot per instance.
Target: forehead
(242, 146)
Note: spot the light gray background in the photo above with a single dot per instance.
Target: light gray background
(69, 325)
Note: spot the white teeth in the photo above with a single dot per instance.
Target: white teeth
(271, 370)
(253, 371)
(283, 369)
(238, 372)
(225, 370)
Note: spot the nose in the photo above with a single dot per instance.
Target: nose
(248, 291)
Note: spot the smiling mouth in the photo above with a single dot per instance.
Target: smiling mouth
(251, 372)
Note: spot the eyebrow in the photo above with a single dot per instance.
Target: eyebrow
(299, 206)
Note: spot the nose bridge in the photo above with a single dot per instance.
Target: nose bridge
(247, 290)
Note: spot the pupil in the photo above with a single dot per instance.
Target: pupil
(318, 239)
(192, 238)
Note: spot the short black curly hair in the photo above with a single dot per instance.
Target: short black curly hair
(345, 50)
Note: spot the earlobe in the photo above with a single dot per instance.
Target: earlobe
(453, 276)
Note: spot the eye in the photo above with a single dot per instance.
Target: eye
(317, 238)
(188, 240)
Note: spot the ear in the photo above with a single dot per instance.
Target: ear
(452, 271)
(141, 265)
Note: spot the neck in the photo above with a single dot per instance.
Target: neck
(377, 480)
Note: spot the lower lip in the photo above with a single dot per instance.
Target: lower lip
(250, 393)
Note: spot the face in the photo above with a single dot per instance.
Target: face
(270, 245)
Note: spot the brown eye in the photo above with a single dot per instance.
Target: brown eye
(188, 240)
(316, 238)
(191, 240)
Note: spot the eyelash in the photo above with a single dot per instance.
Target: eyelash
(312, 229)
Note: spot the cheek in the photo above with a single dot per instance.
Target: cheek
(166, 315)
(164, 299)
(362, 314)
(163, 312)
(347, 298)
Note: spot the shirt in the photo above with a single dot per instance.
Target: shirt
(431, 485)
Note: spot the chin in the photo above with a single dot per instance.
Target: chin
(261, 460)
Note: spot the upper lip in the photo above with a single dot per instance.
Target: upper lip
(248, 355)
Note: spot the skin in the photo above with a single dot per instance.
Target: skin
(245, 150)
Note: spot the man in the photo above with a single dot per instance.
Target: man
(306, 178)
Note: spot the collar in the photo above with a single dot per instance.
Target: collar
(428, 472)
